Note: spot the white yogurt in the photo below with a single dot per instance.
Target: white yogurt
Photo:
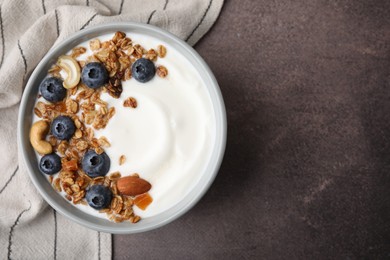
(168, 138)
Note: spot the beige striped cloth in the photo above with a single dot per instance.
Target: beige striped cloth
(29, 228)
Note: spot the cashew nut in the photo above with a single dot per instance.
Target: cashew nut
(38, 133)
(72, 69)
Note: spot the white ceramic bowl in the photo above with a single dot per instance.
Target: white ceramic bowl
(55, 199)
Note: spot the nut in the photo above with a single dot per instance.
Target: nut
(132, 186)
(72, 68)
(38, 133)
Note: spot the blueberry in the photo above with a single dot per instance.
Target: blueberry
(52, 89)
(96, 165)
(143, 70)
(50, 164)
(63, 127)
(94, 75)
(98, 196)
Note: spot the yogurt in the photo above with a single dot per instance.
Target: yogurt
(168, 138)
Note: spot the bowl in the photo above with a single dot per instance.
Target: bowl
(55, 199)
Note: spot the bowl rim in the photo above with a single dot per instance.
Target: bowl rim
(215, 97)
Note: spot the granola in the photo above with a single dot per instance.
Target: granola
(130, 102)
(89, 113)
(162, 71)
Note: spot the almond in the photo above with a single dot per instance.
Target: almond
(132, 185)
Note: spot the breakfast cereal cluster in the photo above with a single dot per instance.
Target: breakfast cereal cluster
(70, 109)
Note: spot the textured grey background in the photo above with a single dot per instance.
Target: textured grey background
(306, 171)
